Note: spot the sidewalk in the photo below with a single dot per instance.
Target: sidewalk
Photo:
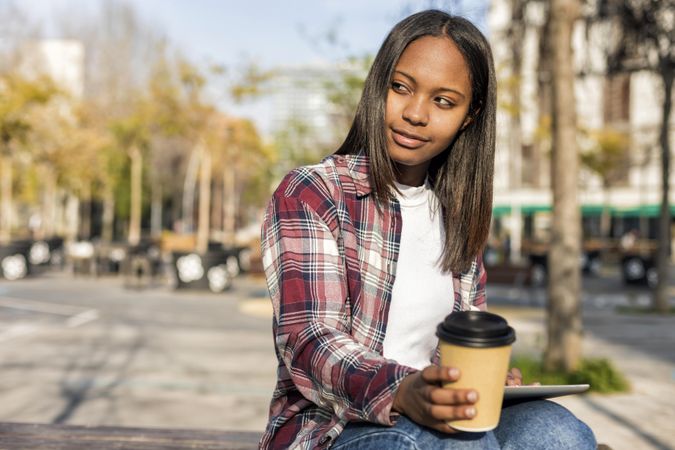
(144, 358)
(643, 347)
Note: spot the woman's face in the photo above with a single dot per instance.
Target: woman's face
(427, 104)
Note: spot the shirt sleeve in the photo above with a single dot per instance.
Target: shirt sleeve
(478, 297)
(306, 277)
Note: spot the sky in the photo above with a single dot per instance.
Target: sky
(271, 33)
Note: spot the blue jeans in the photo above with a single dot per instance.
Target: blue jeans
(523, 426)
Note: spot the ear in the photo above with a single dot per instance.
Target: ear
(469, 118)
(467, 122)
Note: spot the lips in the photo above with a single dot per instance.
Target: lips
(407, 139)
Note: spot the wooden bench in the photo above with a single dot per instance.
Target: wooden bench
(24, 436)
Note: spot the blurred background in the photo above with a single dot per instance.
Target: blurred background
(142, 139)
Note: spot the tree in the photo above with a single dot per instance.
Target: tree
(241, 157)
(18, 95)
(120, 54)
(66, 152)
(157, 113)
(512, 86)
(131, 134)
(169, 145)
(643, 41)
(344, 92)
(198, 118)
(563, 349)
(609, 160)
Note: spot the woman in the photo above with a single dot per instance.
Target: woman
(367, 251)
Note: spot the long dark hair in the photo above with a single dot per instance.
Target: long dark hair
(461, 176)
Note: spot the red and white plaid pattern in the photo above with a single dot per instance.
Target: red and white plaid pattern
(330, 258)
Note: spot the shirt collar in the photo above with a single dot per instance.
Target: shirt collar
(357, 166)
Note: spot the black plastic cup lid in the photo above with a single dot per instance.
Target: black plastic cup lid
(477, 329)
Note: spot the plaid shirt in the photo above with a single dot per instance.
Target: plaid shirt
(330, 259)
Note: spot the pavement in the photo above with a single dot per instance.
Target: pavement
(87, 351)
(641, 346)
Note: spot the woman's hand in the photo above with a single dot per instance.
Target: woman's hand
(514, 377)
(422, 399)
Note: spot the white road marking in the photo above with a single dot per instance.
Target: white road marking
(43, 307)
(82, 318)
(76, 316)
(20, 329)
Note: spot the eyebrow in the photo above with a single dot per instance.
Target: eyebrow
(439, 89)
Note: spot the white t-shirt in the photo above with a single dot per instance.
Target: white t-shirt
(422, 295)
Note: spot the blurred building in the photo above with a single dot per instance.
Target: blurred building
(621, 112)
(308, 120)
(60, 59)
(301, 95)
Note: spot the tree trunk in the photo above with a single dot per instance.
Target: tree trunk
(5, 198)
(156, 210)
(85, 222)
(605, 218)
(204, 201)
(60, 212)
(229, 185)
(663, 248)
(136, 181)
(564, 315)
(108, 219)
(50, 200)
(189, 191)
(516, 38)
(72, 217)
(217, 200)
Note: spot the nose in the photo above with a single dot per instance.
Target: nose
(415, 112)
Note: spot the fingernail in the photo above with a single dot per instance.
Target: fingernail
(472, 396)
(453, 372)
(470, 412)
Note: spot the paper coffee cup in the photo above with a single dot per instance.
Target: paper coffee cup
(478, 343)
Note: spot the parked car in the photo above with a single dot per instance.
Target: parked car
(639, 269)
(14, 260)
(590, 260)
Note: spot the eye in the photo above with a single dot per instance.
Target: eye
(444, 102)
(398, 87)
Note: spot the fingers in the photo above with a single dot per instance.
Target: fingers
(514, 377)
(517, 373)
(443, 396)
(427, 403)
(440, 375)
(442, 426)
(450, 413)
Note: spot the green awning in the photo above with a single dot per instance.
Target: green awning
(500, 211)
(531, 209)
(587, 210)
(594, 210)
(505, 210)
(641, 211)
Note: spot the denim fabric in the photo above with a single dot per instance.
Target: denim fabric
(529, 425)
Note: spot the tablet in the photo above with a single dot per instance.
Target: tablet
(543, 391)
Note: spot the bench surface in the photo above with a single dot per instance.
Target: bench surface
(25, 436)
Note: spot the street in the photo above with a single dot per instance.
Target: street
(88, 351)
(85, 351)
